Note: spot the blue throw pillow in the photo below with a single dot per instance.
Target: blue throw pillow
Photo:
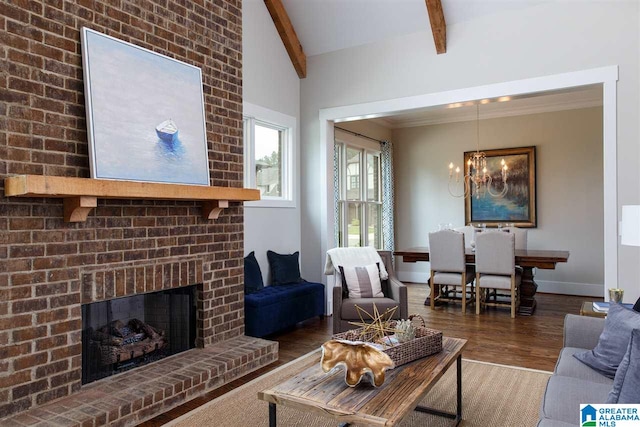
(252, 274)
(284, 268)
(626, 384)
(613, 342)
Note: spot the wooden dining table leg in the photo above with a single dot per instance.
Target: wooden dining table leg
(528, 288)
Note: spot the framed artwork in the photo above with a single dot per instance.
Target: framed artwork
(145, 114)
(518, 205)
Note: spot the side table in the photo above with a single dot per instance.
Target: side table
(587, 310)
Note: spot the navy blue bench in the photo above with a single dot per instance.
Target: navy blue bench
(274, 308)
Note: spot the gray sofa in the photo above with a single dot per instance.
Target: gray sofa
(573, 382)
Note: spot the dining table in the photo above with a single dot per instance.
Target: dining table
(528, 259)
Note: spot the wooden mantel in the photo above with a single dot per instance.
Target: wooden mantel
(81, 194)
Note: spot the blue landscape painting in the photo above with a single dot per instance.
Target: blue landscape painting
(514, 206)
(145, 114)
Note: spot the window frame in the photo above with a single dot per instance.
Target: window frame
(253, 115)
(362, 202)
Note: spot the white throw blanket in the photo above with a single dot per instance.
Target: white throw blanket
(353, 257)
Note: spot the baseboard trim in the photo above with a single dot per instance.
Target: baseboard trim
(413, 276)
(545, 286)
(569, 288)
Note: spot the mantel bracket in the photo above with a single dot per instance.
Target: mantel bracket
(211, 209)
(76, 209)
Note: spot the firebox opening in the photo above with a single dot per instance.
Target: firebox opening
(124, 333)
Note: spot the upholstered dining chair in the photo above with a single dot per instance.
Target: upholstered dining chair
(344, 304)
(496, 269)
(469, 233)
(521, 236)
(448, 268)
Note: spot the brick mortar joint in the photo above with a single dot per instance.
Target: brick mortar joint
(137, 264)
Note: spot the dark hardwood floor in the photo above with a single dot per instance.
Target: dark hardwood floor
(531, 342)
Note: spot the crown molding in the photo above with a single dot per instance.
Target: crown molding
(489, 111)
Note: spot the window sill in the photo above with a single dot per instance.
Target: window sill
(270, 203)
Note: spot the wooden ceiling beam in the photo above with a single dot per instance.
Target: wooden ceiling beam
(288, 36)
(438, 25)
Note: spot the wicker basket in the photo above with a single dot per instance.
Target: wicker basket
(427, 342)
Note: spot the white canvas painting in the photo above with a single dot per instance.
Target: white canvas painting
(145, 114)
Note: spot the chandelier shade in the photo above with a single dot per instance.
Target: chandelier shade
(476, 180)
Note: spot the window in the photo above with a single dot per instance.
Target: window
(268, 155)
(268, 160)
(359, 206)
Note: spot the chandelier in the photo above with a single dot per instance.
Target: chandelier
(477, 180)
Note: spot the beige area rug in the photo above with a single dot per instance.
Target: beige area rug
(492, 395)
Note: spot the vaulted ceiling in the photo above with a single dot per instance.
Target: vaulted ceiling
(315, 27)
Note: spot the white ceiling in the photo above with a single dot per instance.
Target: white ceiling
(327, 25)
(533, 103)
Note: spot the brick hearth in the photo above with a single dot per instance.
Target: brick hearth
(48, 268)
(133, 397)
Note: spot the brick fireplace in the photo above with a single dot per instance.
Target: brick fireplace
(49, 268)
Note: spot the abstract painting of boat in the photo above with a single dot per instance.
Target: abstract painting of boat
(136, 131)
(167, 131)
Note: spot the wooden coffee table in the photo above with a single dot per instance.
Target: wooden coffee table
(326, 394)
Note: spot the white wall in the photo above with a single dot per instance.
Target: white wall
(569, 188)
(368, 128)
(550, 38)
(270, 81)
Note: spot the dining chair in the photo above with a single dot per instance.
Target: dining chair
(521, 243)
(496, 269)
(520, 233)
(448, 268)
(521, 236)
(469, 232)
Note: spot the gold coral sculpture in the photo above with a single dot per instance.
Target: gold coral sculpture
(358, 359)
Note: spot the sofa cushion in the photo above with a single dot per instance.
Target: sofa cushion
(362, 282)
(498, 282)
(636, 306)
(349, 312)
(275, 308)
(563, 396)
(276, 294)
(569, 366)
(626, 385)
(452, 279)
(285, 268)
(252, 274)
(613, 341)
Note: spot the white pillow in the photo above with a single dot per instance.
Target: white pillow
(362, 282)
